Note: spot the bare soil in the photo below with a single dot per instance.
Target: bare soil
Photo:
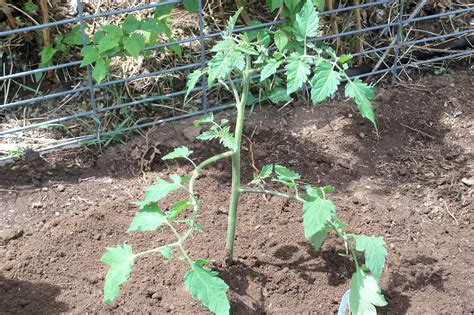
(412, 185)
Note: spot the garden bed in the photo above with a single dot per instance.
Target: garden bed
(412, 186)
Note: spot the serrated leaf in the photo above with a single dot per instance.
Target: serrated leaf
(281, 39)
(121, 260)
(181, 152)
(344, 58)
(193, 78)
(231, 23)
(287, 183)
(275, 4)
(264, 173)
(223, 62)
(291, 4)
(134, 45)
(167, 252)
(307, 22)
(278, 95)
(164, 9)
(202, 262)
(324, 82)
(158, 191)
(205, 285)
(316, 214)
(297, 72)
(176, 209)
(89, 55)
(225, 137)
(191, 5)
(209, 117)
(148, 218)
(130, 24)
(365, 293)
(108, 42)
(374, 253)
(112, 29)
(320, 4)
(285, 173)
(318, 238)
(362, 93)
(47, 54)
(101, 68)
(74, 37)
(269, 69)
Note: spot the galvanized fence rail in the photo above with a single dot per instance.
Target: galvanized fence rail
(395, 63)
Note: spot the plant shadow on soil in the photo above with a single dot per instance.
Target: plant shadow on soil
(24, 297)
(327, 145)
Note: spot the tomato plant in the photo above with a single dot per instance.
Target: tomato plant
(239, 57)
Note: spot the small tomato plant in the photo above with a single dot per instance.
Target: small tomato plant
(236, 56)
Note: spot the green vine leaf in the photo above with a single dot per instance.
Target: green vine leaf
(269, 69)
(163, 10)
(167, 252)
(285, 173)
(374, 253)
(176, 209)
(281, 40)
(205, 285)
(181, 152)
(130, 24)
(158, 191)
(100, 71)
(318, 238)
(316, 213)
(134, 45)
(208, 118)
(108, 42)
(278, 95)
(193, 78)
(362, 93)
(148, 218)
(89, 54)
(365, 293)
(307, 22)
(325, 82)
(121, 260)
(223, 134)
(298, 70)
(191, 5)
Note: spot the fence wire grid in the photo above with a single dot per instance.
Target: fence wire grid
(391, 58)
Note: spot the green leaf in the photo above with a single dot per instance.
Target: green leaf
(167, 252)
(365, 293)
(265, 172)
(191, 5)
(281, 39)
(130, 24)
(109, 41)
(134, 44)
(278, 95)
(285, 173)
(193, 78)
(47, 54)
(320, 4)
(112, 30)
(275, 4)
(89, 54)
(362, 93)
(176, 209)
(157, 192)
(98, 36)
(225, 137)
(231, 23)
(307, 22)
(121, 260)
(344, 58)
(205, 285)
(100, 71)
(253, 34)
(202, 262)
(223, 62)
(298, 69)
(148, 218)
(208, 118)
(30, 7)
(74, 37)
(163, 9)
(269, 69)
(316, 214)
(325, 82)
(181, 152)
(318, 239)
(291, 4)
(374, 253)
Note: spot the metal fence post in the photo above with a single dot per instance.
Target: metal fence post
(398, 41)
(202, 58)
(90, 79)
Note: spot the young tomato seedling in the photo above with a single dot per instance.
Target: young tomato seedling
(236, 57)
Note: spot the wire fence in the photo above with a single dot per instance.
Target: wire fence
(392, 58)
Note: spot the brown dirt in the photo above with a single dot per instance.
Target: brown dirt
(59, 212)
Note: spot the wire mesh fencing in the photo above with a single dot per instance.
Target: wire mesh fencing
(78, 110)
